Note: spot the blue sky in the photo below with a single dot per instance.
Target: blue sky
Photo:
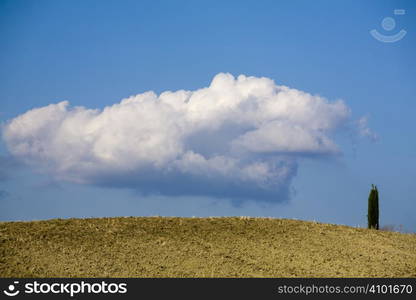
(96, 53)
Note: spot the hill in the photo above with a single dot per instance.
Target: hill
(201, 247)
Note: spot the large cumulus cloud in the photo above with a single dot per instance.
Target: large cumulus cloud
(238, 138)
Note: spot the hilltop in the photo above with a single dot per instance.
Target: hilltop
(201, 247)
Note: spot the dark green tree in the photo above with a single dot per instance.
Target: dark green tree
(377, 210)
(373, 209)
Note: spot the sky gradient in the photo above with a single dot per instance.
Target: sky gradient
(95, 54)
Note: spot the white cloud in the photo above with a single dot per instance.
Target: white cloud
(364, 131)
(238, 137)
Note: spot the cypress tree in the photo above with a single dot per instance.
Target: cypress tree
(376, 209)
(370, 207)
(373, 209)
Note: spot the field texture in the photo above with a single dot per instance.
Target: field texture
(201, 247)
